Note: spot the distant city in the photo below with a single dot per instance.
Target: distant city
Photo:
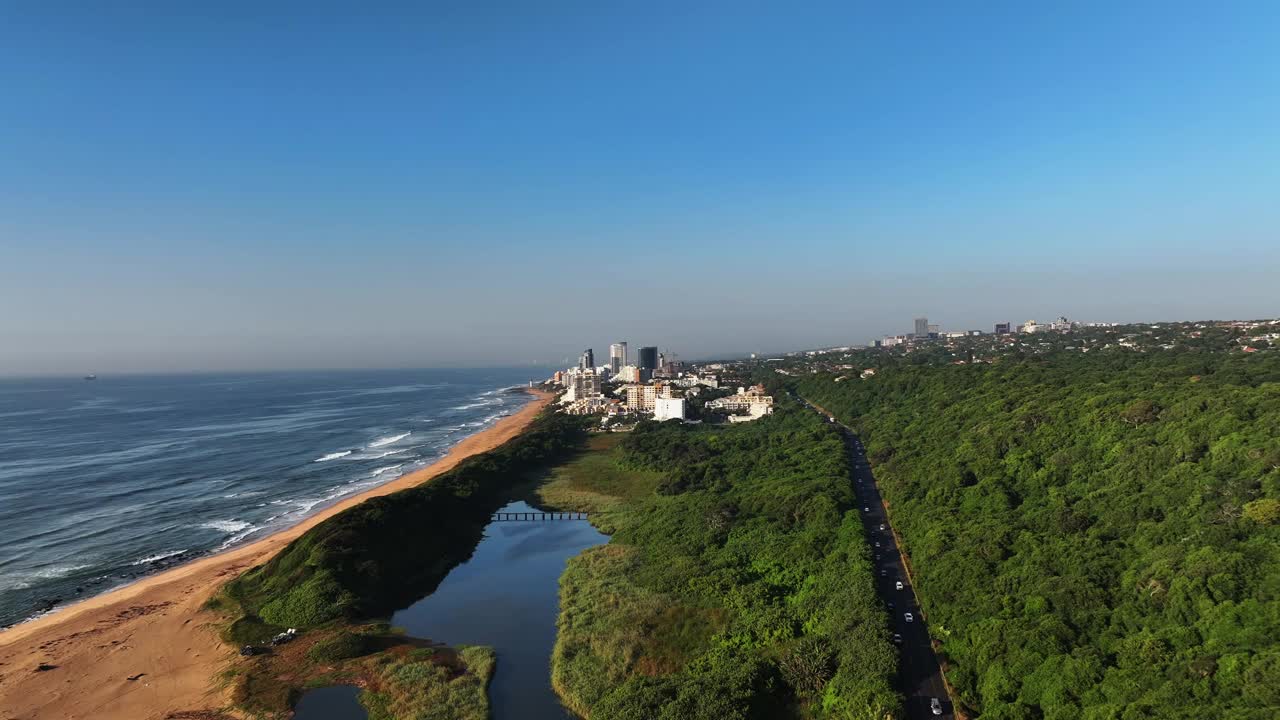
(924, 331)
(655, 386)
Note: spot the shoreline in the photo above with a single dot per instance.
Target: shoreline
(137, 651)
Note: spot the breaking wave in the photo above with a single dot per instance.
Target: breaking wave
(380, 442)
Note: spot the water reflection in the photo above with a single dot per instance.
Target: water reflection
(507, 596)
(339, 702)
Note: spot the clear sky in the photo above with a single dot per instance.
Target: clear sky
(219, 185)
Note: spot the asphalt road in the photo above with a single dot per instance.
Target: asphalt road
(919, 678)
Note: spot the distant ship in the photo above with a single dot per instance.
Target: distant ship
(90, 377)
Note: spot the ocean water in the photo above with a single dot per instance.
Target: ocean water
(105, 481)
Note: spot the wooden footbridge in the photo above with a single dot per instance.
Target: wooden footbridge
(536, 516)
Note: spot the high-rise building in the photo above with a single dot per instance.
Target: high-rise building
(588, 360)
(648, 358)
(617, 357)
(1003, 328)
(922, 327)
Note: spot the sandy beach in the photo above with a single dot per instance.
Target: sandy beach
(147, 651)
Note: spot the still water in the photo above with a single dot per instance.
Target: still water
(340, 702)
(507, 597)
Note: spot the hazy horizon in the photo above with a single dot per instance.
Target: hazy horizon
(266, 189)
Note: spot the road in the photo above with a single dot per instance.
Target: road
(920, 677)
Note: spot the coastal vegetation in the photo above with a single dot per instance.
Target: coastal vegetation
(363, 564)
(387, 551)
(1094, 536)
(737, 583)
(402, 679)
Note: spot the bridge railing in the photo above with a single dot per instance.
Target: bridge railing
(537, 516)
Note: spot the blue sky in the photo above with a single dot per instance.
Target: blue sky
(493, 183)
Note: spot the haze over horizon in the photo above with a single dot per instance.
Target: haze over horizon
(255, 188)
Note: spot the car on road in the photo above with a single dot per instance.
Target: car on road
(891, 607)
(897, 639)
(908, 617)
(877, 543)
(866, 508)
(884, 573)
(935, 706)
(881, 526)
(877, 556)
(897, 585)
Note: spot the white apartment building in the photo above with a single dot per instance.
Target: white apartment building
(580, 384)
(589, 405)
(668, 408)
(752, 400)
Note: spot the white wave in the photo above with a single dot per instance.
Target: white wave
(154, 558)
(227, 526)
(333, 456)
(482, 403)
(387, 468)
(380, 442)
(248, 530)
(247, 494)
(49, 573)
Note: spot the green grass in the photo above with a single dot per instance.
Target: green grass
(596, 482)
(431, 685)
(342, 646)
(610, 628)
(250, 631)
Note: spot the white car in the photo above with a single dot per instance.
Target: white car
(866, 508)
(935, 705)
(881, 526)
(877, 543)
(897, 585)
(908, 617)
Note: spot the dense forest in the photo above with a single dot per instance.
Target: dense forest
(737, 582)
(1094, 536)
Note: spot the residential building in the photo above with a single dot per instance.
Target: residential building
(668, 408)
(922, 327)
(751, 400)
(580, 384)
(588, 360)
(590, 405)
(643, 398)
(629, 374)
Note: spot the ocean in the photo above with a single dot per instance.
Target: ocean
(104, 481)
